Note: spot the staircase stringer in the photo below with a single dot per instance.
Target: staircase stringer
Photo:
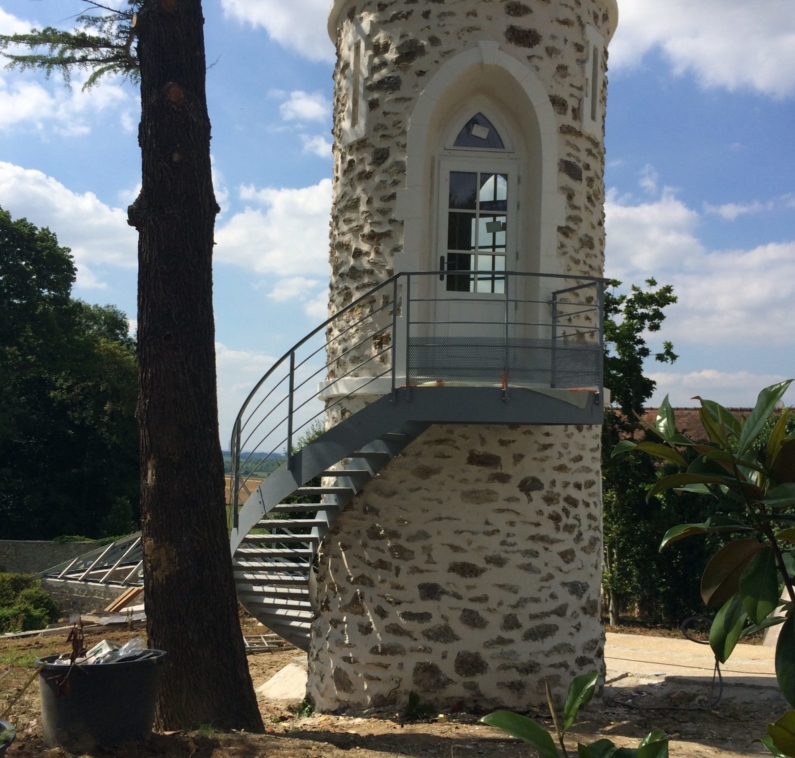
(338, 443)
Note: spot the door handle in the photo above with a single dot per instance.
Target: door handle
(441, 268)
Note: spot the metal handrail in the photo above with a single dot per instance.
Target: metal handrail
(386, 339)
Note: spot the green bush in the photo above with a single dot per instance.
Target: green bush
(22, 617)
(38, 598)
(24, 605)
(11, 585)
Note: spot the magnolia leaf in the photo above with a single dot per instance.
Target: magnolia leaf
(787, 534)
(726, 628)
(525, 729)
(656, 749)
(623, 447)
(768, 622)
(598, 749)
(717, 523)
(663, 451)
(721, 578)
(698, 489)
(759, 586)
(715, 432)
(666, 420)
(782, 732)
(765, 405)
(722, 415)
(777, 437)
(580, 693)
(782, 496)
(728, 461)
(767, 741)
(708, 466)
(655, 736)
(785, 660)
(677, 480)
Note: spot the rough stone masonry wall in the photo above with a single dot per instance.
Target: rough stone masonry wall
(470, 568)
(410, 41)
(467, 571)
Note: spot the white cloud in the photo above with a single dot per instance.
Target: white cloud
(732, 211)
(292, 288)
(317, 145)
(298, 25)
(732, 44)
(649, 236)
(28, 104)
(737, 389)
(12, 25)
(299, 289)
(317, 307)
(305, 106)
(237, 372)
(286, 236)
(96, 233)
(725, 296)
(649, 179)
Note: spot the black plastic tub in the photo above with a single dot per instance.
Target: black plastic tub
(85, 706)
(5, 726)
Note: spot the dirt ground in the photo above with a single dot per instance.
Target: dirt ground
(625, 713)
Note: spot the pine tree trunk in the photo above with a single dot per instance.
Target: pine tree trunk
(190, 597)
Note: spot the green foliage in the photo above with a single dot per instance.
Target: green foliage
(415, 708)
(24, 605)
(68, 389)
(120, 520)
(7, 736)
(659, 586)
(305, 709)
(580, 693)
(103, 44)
(12, 584)
(748, 472)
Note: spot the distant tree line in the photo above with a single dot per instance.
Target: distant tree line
(68, 388)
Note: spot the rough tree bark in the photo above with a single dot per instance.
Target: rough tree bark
(190, 596)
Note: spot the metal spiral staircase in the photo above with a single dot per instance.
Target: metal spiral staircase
(350, 396)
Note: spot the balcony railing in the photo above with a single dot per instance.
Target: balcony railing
(497, 329)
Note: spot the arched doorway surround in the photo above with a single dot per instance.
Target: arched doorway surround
(483, 78)
(490, 87)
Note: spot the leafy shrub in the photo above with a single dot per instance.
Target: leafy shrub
(11, 585)
(24, 605)
(22, 617)
(37, 598)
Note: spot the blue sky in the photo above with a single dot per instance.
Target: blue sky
(700, 178)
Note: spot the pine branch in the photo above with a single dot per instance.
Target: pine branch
(101, 44)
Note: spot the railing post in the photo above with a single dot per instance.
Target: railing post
(290, 412)
(505, 367)
(553, 357)
(408, 330)
(394, 339)
(234, 471)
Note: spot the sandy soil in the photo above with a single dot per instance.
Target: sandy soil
(628, 710)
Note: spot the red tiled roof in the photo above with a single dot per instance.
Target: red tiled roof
(688, 421)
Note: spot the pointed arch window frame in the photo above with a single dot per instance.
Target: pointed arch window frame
(468, 113)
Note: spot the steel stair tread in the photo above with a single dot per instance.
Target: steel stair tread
(324, 491)
(272, 565)
(339, 473)
(268, 552)
(282, 523)
(300, 507)
(278, 538)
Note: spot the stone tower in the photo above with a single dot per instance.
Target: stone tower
(470, 568)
